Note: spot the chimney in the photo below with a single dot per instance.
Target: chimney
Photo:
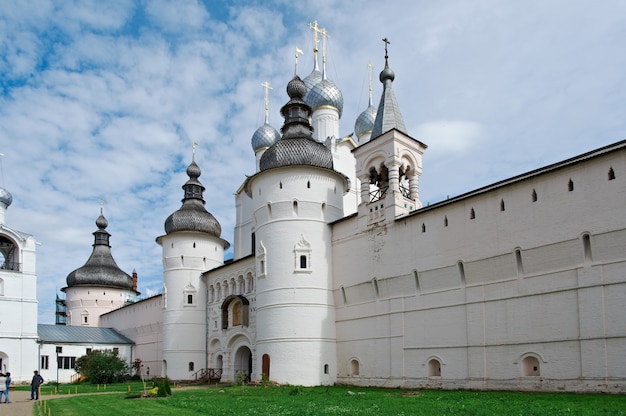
(134, 280)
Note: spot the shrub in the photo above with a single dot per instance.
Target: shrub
(101, 366)
(162, 386)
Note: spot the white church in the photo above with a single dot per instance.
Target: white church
(341, 276)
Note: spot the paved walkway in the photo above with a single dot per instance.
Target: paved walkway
(21, 404)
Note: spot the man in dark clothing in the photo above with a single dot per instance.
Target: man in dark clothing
(34, 386)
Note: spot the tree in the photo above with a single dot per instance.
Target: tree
(102, 366)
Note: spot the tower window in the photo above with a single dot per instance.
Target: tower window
(611, 174)
(472, 214)
(502, 205)
(445, 221)
(303, 261)
(570, 185)
(191, 366)
(423, 227)
(308, 184)
(534, 196)
(190, 299)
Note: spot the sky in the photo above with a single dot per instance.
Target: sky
(102, 100)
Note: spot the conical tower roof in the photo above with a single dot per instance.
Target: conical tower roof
(100, 269)
(192, 215)
(388, 115)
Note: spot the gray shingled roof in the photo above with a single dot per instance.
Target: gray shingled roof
(80, 334)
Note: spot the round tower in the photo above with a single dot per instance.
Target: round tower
(295, 196)
(99, 286)
(191, 245)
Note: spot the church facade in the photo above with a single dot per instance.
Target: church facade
(341, 275)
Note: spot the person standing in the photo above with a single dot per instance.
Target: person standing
(6, 392)
(3, 385)
(34, 385)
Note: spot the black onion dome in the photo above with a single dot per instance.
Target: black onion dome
(100, 269)
(297, 146)
(192, 215)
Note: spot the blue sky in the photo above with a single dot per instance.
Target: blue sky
(101, 100)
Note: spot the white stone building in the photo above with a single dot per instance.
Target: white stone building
(18, 299)
(341, 275)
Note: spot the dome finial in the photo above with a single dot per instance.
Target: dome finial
(324, 36)
(370, 69)
(313, 26)
(386, 53)
(193, 151)
(298, 52)
(267, 87)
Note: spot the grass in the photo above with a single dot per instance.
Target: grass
(293, 400)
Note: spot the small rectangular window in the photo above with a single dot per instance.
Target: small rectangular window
(116, 351)
(45, 362)
(189, 299)
(303, 262)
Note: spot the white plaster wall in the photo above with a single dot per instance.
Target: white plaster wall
(73, 350)
(244, 226)
(18, 311)
(482, 318)
(294, 308)
(184, 334)
(225, 342)
(93, 301)
(143, 323)
(325, 122)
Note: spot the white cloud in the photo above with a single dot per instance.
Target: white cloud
(451, 135)
(101, 100)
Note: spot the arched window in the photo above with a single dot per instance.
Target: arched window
(434, 368)
(530, 366)
(379, 182)
(587, 248)
(354, 368)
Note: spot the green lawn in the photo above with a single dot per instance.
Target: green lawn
(291, 400)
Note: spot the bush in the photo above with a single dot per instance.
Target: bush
(101, 366)
(162, 386)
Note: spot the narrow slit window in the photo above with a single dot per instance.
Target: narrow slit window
(611, 173)
(570, 185)
(472, 214)
(534, 196)
(502, 205)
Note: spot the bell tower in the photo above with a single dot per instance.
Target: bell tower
(390, 163)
